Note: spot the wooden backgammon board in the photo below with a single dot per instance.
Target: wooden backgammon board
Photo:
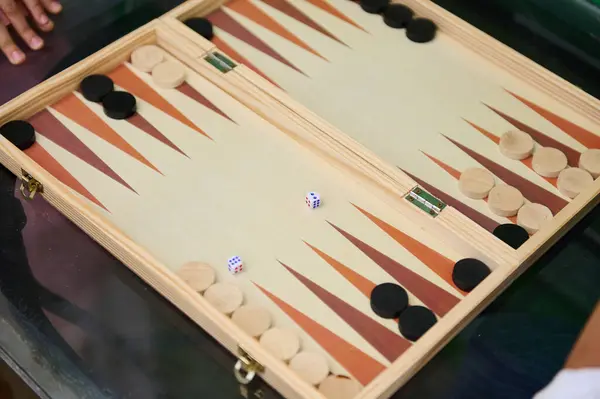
(331, 189)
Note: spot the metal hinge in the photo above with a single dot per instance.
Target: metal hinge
(30, 186)
(246, 367)
(220, 62)
(425, 201)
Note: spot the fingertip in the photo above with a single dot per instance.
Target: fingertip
(36, 43)
(55, 7)
(16, 57)
(43, 19)
(47, 27)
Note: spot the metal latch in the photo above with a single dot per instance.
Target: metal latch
(246, 367)
(30, 186)
(425, 201)
(220, 62)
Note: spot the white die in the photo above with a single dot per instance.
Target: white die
(313, 200)
(235, 265)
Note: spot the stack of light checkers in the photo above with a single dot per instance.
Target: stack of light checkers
(507, 201)
(283, 343)
(167, 74)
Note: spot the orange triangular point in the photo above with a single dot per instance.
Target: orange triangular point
(487, 134)
(129, 81)
(441, 265)
(362, 284)
(584, 136)
(453, 172)
(362, 367)
(248, 9)
(74, 109)
(47, 161)
(325, 6)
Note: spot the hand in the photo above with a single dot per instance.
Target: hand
(14, 12)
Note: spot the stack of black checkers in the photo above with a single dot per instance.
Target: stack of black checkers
(390, 301)
(399, 16)
(101, 89)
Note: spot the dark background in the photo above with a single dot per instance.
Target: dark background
(75, 323)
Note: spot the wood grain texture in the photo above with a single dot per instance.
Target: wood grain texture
(385, 181)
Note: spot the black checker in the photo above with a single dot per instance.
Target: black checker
(397, 16)
(201, 26)
(512, 234)
(119, 105)
(388, 300)
(374, 6)
(468, 273)
(95, 87)
(20, 133)
(416, 321)
(421, 30)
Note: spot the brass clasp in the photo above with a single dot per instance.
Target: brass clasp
(246, 367)
(30, 186)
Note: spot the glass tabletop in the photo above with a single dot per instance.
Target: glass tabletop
(75, 323)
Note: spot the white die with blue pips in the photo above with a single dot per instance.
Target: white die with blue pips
(235, 265)
(313, 200)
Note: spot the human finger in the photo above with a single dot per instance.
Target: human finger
(9, 48)
(4, 19)
(18, 21)
(39, 14)
(52, 5)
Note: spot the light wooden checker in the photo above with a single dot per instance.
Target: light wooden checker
(476, 183)
(146, 58)
(505, 200)
(225, 297)
(312, 367)
(590, 161)
(198, 275)
(155, 148)
(253, 319)
(281, 343)
(516, 144)
(336, 387)
(572, 181)
(168, 74)
(532, 217)
(549, 162)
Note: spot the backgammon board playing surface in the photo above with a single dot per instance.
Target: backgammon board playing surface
(432, 110)
(323, 250)
(196, 176)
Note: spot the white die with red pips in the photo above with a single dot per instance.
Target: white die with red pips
(313, 200)
(235, 265)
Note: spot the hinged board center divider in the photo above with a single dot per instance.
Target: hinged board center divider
(214, 173)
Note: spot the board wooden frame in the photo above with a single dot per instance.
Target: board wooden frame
(150, 269)
(499, 54)
(264, 99)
